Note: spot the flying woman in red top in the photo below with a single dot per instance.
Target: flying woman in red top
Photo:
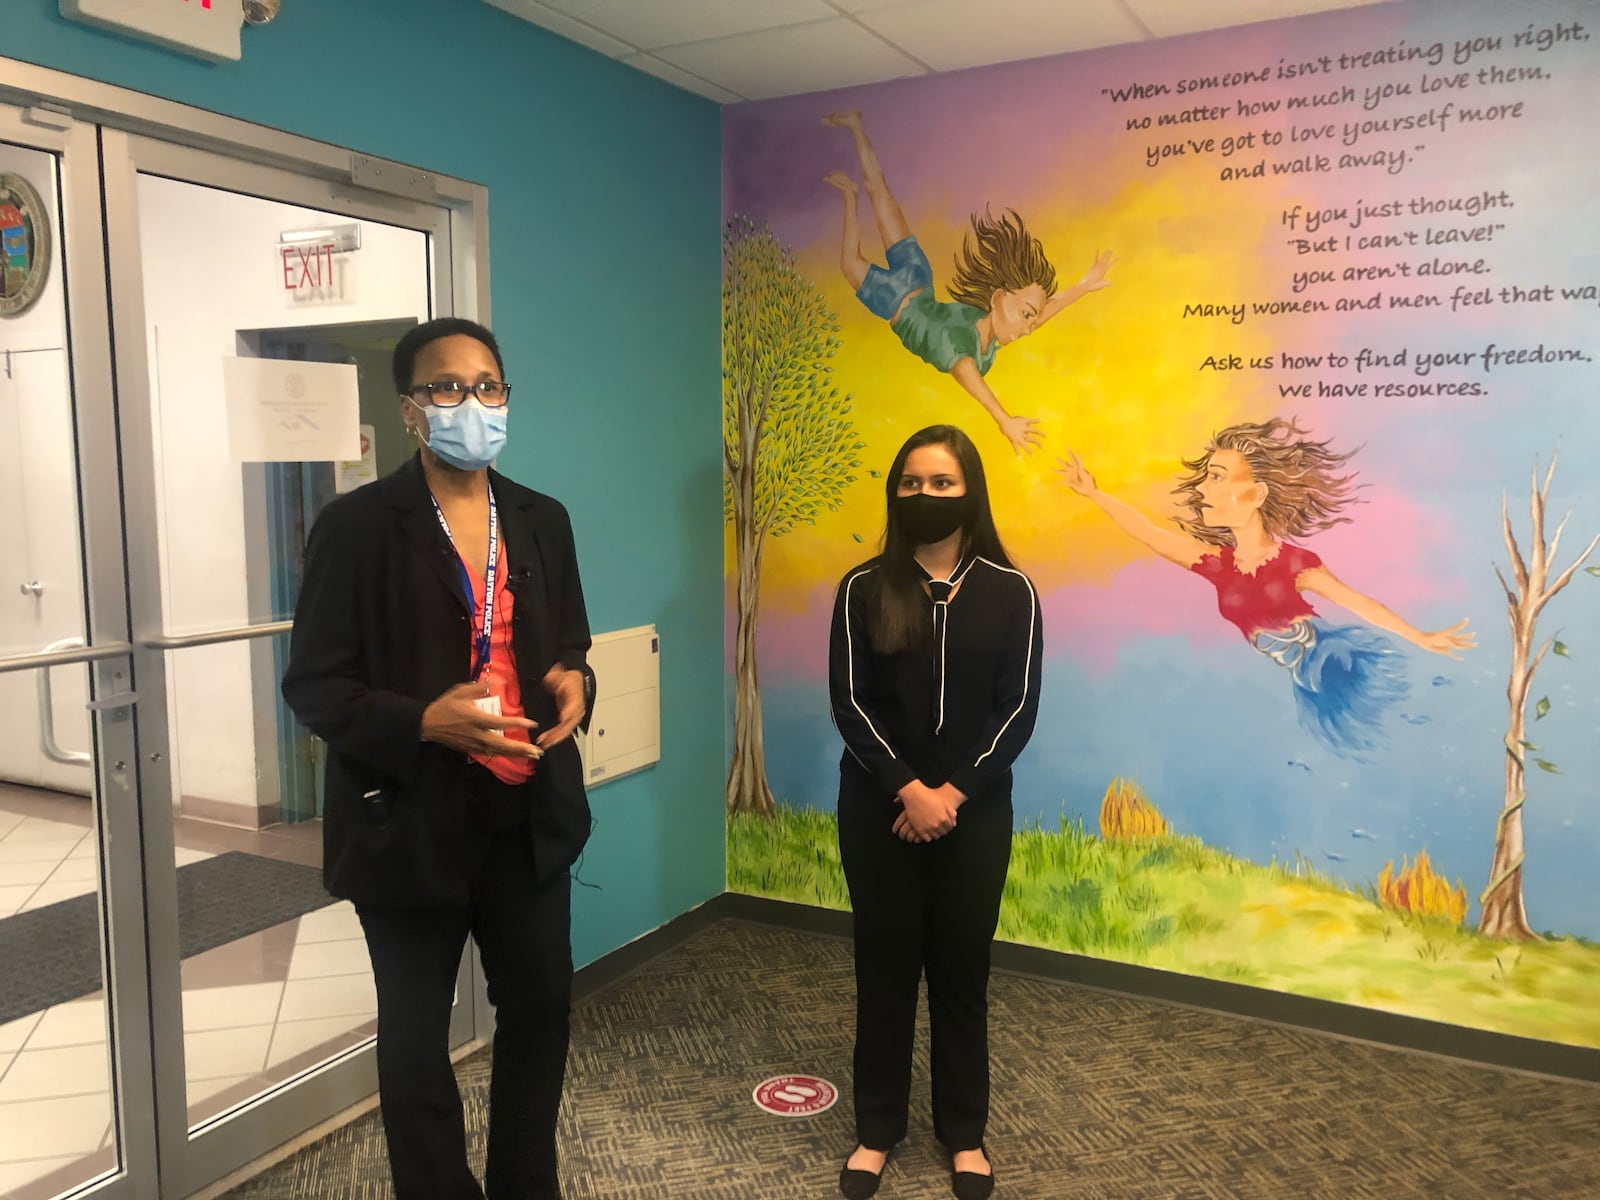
(1255, 485)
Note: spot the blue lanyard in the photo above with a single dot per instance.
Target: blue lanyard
(480, 648)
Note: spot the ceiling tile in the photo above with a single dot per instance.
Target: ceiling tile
(802, 58)
(1169, 18)
(731, 49)
(652, 65)
(574, 31)
(650, 24)
(951, 34)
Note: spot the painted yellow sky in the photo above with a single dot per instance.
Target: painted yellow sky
(1122, 390)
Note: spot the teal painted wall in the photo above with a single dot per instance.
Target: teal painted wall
(604, 211)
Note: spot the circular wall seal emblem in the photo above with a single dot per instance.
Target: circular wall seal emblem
(795, 1095)
(24, 245)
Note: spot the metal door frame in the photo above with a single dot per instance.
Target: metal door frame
(138, 134)
(114, 796)
(191, 1160)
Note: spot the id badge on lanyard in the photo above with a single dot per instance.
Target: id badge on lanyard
(481, 643)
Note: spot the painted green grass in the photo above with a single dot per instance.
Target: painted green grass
(794, 856)
(1176, 904)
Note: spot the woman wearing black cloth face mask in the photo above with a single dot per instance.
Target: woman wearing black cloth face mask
(934, 663)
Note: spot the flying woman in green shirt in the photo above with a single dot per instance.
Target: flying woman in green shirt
(1004, 287)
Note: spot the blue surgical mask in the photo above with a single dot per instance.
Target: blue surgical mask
(467, 436)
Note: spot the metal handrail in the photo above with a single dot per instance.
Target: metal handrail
(65, 658)
(47, 714)
(183, 641)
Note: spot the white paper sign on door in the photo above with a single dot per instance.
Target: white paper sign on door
(351, 473)
(287, 411)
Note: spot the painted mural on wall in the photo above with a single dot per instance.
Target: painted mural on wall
(1280, 347)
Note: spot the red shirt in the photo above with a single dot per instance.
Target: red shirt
(1267, 599)
(502, 673)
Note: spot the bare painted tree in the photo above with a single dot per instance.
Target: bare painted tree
(1503, 915)
(788, 449)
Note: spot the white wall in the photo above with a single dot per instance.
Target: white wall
(211, 269)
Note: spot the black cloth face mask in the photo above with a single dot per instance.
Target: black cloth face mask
(929, 519)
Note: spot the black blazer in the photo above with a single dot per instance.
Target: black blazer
(382, 629)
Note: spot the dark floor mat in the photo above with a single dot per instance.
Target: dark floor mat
(52, 954)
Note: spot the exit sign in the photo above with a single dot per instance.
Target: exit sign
(204, 28)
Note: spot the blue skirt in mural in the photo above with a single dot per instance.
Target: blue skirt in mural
(1346, 679)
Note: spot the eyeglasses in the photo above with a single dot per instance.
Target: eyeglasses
(491, 393)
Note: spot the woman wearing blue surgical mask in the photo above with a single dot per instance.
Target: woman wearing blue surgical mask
(934, 676)
(439, 649)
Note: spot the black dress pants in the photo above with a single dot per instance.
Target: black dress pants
(922, 907)
(523, 931)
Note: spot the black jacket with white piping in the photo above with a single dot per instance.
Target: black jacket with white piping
(957, 709)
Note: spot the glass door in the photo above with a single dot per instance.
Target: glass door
(76, 1084)
(254, 309)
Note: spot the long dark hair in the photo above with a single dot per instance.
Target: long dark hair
(898, 621)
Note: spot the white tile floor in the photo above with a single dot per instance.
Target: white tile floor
(239, 1037)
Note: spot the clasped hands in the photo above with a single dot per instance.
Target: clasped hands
(456, 721)
(927, 812)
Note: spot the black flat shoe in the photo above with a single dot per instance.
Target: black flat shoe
(970, 1185)
(858, 1185)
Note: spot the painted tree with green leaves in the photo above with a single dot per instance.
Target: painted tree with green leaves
(1503, 914)
(788, 449)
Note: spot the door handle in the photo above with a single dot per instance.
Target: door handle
(34, 588)
(240, 633)
(47, 714)
(65, 658)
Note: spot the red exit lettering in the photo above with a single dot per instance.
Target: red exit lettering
(307, 266)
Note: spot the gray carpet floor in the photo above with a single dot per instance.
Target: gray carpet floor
(1095, 1095)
